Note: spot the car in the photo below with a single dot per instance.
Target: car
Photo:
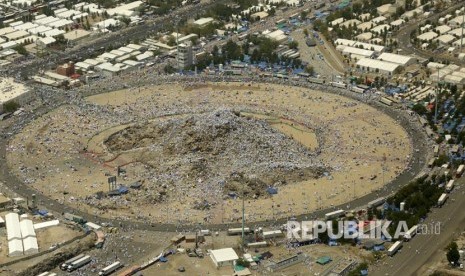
(181, 269)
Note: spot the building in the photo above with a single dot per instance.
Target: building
(66, 69)
(4, 201)
(356, 53)
(12, 90)
(397, 59)
(377, 66)
(202, 22)
(277, 35)
(445, 39)
(427, 37)
(223, 257)
(184, 55)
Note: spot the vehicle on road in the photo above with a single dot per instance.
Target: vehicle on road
(79, 263)
(442, 199)
(64, 265)
(111, 268)
(394, 248)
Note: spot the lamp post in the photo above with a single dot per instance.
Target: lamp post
(436, 101)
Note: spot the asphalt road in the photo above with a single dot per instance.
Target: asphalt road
(403, 35)
(422, 249)
(409, 123)
(116, 39)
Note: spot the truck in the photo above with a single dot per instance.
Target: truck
(459, 171)
(111, 268)
(64, 265)
(238, 231)
(410, 233)
(79, 263)
(442, 199)
(394, 248)
(377, 202)
(335, 214)
(450, 186)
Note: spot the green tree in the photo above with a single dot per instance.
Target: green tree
(305, 32)
(11, 106)
(453, 254)
(126, 20)
(20, 49)
(293, 44)
(171, 41)
(309, 69)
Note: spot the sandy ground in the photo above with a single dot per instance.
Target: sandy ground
(354, 139)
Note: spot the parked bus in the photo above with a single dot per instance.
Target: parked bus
(436, 151)
(394, 248)
(111, 268)
(377, 202)
(442, 199)
(450, 186)
(338, 84)
(238, 231)
(410, 233)
(459, 171)
(357, 89)
(335, 214)
(316, 80)
(64, 265)
(385, 101)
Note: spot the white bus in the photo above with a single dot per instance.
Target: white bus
(385, 101)
(272, 234)
(338, 84)
(335, 214)
(450, 186)
(442, 199)
(257, 244)
(110, 269)
(459, 171)
(316, 80)
(238, 231)
(377, 202)
(64, 265)
(410, 233)
(357, 89)
(394, 248)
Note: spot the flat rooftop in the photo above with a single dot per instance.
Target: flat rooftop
(9, 89)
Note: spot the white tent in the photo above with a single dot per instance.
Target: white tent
(224, 257)
(27, 228)
(30, 245)
(12, 227)
(15, 248)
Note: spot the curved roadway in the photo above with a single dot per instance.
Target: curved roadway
(409, 123)
(403, 35)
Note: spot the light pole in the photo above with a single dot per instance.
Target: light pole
(463, 21)
(243, 213)
(436, 101)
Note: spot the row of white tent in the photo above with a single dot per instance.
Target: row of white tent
(21, 236)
